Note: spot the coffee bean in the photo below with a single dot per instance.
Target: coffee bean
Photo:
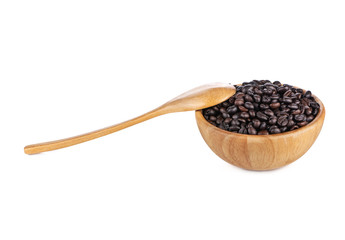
(295, 112)
(308, 111)
(263, 132)
(287, 93)
(307, 94)
(290, 123)
(239, 102)
(257, 98)
(294, 127)
(235, 122)
(293, 106)
(213, 118)
(256, 123)
(300, 117)
(243, 131)
(249, 105)
(244, 115)
(310, 118)
(275, 105)
(242, 109)
(265, 99)
(272, 120)
(261, 116)
(248, 98)
(315, 111)
(225, 115)
(287, 100)
(252, 113)
(227, 120)
(234, 128)
(209, 112)
(315, 105)
(263, 106)
(269, 112)
(232, 109)
(252, 131)
(282, 121)
(301, 124)
(263, 126)
(274, 130)
(222, 110)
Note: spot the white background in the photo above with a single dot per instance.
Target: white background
(68, 67)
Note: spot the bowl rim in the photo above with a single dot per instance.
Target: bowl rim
(200, 116)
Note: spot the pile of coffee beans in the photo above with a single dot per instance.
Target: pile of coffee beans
(262, 108)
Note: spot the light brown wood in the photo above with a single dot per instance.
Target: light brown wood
(261, 152)
(197, 98)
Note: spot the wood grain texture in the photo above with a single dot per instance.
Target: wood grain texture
(261, 152)
(197, 98)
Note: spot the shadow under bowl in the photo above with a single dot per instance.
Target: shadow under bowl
(261, 152)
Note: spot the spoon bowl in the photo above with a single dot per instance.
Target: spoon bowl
(261, 152)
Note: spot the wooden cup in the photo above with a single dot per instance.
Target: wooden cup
(261, 152)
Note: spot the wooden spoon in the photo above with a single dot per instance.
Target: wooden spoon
(198, 98)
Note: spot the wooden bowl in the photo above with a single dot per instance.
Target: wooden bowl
(261, 152)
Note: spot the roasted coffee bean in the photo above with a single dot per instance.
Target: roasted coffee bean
(234, 128)
(263, 132)
(239, 102)
(239, 95)
(272, 120)
(209, 112)
(261, 116)
(235, 122)
(265, 99)
(310, 118)
(242, 120)
(242, 109)
(294, 127)
(287, 100)
(275, 105)
(232, 109)
(225, 115)
(263, 126)
(256, 123)
(225, 104)
(243, 131)
(287, 93)
(308, 111)
(252, 131)
(274, 130)
(249, 105)
(257, 98)
(269, 112)
(248, 98)
(290, 123)
(244, 115)
(264, 108)
(301, 124)
(213, 118)
(314, 105)
(282, 121)
(293, 106)
(227, 120)
(295, 112)
(300, 117)
(252, 113)
(307, 94)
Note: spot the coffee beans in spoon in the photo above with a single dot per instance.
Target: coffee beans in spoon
(262, 108)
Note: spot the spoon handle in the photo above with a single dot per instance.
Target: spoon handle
(62, 143)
